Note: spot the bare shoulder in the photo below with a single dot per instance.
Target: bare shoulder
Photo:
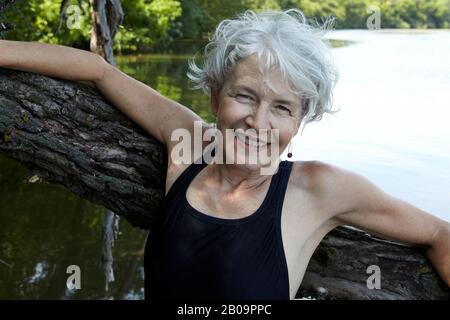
(175, 167)
(335, 187)
(316, 176)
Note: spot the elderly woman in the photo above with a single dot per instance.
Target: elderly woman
(228, 231)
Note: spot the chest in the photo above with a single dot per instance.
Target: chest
(304, 223)
(209, 200)
(304, 220)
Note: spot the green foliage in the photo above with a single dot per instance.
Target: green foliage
(193, 20)
(147, 24)
(38, 20)
(155, 24)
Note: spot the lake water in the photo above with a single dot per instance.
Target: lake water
(394, 122)
(392, 128)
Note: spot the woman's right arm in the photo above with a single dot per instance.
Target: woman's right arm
(156, 114)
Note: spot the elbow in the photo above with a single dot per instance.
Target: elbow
(439, 251)
(446, 275)
(101, 67)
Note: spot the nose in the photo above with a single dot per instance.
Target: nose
(259, 119)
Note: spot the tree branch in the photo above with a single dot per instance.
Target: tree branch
(66, 133)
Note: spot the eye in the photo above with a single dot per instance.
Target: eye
(283, 109)
(244, 97)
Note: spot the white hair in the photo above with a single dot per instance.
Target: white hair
(279, 38)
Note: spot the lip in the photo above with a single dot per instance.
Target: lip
(250, 142)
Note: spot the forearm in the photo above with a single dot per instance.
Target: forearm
(439, 252)
(51, 60)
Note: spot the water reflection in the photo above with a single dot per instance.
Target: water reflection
(44, 229)
(167, 75)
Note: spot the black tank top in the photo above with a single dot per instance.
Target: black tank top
(191, 255)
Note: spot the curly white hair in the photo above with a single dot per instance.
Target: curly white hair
(279, 38)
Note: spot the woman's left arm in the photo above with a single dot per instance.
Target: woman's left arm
(358, 202)
(439, 251)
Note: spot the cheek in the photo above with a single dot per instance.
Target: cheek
(287, 129)
(284, 137)
(231, 112)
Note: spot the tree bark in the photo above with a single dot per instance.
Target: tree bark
(339, 269)
(66, 133)
(107, 16)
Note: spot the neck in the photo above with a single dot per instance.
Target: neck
(238, 177)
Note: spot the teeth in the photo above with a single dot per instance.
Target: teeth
(250, 141)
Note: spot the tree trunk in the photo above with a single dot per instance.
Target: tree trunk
(66, 133)
(339, 269)
(107, 16)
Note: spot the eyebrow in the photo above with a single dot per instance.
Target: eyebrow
(240, 86)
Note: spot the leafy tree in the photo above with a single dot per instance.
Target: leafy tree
(155, 24)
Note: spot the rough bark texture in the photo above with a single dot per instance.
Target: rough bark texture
(338, 269)
(66, 133)
(110, 229)
(107, 16)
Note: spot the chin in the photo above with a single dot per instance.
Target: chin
(249, 157)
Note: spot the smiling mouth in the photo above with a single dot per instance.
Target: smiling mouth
(251, 141)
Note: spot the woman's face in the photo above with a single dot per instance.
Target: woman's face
(250, 99)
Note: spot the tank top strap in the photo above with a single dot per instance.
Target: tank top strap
(275, 194)
(185, 178)
(282, 179)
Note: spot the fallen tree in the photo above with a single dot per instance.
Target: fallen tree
(66, 133)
